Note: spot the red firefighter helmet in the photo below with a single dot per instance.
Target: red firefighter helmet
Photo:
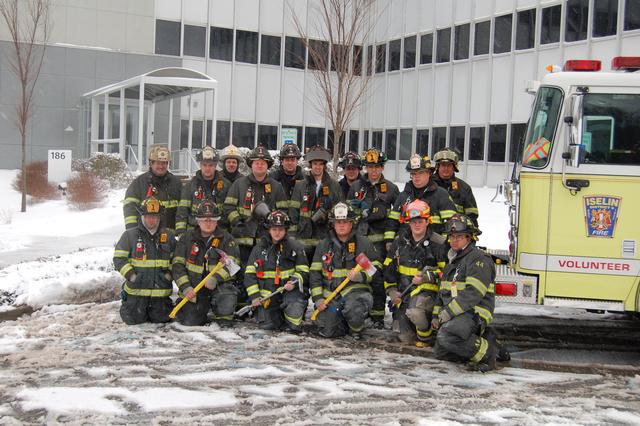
(416, 209)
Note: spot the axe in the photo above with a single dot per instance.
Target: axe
(223, 261)
(244, 310)
(364, 264)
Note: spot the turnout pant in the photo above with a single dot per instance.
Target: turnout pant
(345, 313)
(377, 310)
(285, 310)
(459, 340)
(222, 300)
(140, 309)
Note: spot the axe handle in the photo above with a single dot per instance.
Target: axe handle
(335, 292)
(247, 308)
(184, 300)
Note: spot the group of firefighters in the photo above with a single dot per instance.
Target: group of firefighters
(277, 238)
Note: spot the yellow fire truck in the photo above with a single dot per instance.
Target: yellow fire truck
(574, 195)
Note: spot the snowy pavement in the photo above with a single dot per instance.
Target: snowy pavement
(80, 364)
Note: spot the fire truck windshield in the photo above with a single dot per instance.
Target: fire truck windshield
(611, 128)
(542, 126)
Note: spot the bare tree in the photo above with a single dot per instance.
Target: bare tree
(29, 27)
(336, 60)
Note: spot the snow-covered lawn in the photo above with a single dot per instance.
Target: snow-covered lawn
(73, 361)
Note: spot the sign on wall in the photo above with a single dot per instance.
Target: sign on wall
(59, 162)
(289, 135)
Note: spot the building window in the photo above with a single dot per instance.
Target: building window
(409, 57)
(313, 136)
(518, 132)
(631, 15)
(339, 58)
(391, 143)
(357, 60)
(406, 139)
(476, 143)
(482, 37)
(330, 145)
(247, 47)
(526, 29)
(369, 60)
(376, 139)
(167, 37)
(294, 53)
(196, 134)
(268, 136)
(576, 21)
(497, 142)
(443, 46)
(365, 141)
(195, 40)
(550, 29)
(502, 34)
(244, 134)
(354, 143)
(395, 47)
(461, 42)
(221, 44)
(318, 55)
(381, 57)
(605, 17)
(298, 134)
(439, 139)
(422, 141)
(223, 130)
(456, 140)
(270, 50)
(426, 48)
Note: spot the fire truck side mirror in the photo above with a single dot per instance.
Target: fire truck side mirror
(575, 154)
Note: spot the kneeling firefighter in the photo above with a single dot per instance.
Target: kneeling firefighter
(143, 255)
(197, 252)
(333, 261)
(278, 263)
(467, 300)
(411, 276)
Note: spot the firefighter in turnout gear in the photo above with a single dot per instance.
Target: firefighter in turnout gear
(159, 183)
(459, 190)
(207, 184)
(142, 256)
(197, 252)
(351, 165)
(466, 300)
(312, 200)
(334, 260)
(289, 173)
(248, 202)
(373, 198)
(411, 276)
(231, 159)
(277, 261)
(421, 187)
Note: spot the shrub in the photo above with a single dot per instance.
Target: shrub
(86, 191)
(108, 167)
(38, 186)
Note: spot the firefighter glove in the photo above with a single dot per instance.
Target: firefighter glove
(131, 277)
(168, 276)
(356, 277)
(387, 246)
(444, 316)
(189, 294)
(211, 283)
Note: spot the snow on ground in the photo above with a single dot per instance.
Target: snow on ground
(74, 361)
(80, 364)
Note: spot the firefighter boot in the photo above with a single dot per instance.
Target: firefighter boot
(488, 361)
